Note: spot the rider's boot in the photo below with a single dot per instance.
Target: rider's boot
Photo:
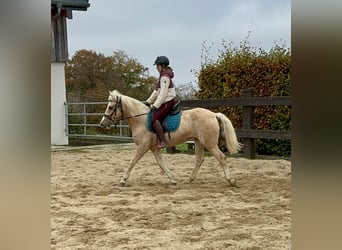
(159, 130)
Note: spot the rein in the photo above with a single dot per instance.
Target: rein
(118, 105)
(133, 116)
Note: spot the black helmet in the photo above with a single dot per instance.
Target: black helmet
(161, 60)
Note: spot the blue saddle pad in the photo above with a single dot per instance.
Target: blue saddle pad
(170, 123)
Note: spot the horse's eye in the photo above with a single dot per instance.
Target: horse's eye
(110, 107)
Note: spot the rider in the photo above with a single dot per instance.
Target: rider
(161, 100)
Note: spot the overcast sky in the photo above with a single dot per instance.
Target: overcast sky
(145, 29)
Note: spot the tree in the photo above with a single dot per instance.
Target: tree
(186, 91)
(130, 77)
(90, 75)
(84, 73)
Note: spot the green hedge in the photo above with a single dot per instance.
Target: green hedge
(238, 68)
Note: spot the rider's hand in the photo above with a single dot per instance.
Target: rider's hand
(146, 103)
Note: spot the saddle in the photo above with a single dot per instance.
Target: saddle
(170, 123)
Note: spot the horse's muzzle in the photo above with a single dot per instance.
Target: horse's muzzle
(105, 123)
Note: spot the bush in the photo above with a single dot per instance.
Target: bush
(238, 68)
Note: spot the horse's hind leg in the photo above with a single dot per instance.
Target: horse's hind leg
(199, 152)
(161, 164)
(216, 152)
(139, 152)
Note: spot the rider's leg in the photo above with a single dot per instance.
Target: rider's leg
(159, 130)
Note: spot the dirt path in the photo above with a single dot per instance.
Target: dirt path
(89, 210)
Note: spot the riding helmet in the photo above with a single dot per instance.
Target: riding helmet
(161, 60)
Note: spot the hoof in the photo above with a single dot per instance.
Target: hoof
(232, 182)
(122, 183)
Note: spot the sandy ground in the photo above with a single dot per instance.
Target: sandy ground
(89, 210)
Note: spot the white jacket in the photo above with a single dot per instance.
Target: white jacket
(162, 94)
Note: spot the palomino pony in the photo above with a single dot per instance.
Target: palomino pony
(202, 126)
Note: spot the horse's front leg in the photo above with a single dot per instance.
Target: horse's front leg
(139, 152)
(161, 164)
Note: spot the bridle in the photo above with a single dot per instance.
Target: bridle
(118, 106)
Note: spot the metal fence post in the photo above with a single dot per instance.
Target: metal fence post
(120, 129)
(84, 119)
(248, 123)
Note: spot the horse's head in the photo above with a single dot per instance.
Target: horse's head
(114, 112)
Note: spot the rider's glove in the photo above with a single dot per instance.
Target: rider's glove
(146, 103)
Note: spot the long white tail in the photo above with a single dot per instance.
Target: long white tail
(229, 133)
